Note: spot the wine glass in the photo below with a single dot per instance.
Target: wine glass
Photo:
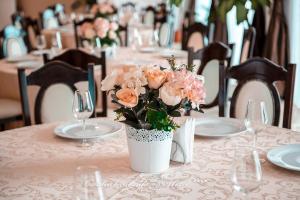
(246, 174)
(40, 42)
(155, 39)
(87, 183)
(82, 109)
(137, 41)
(256, 113)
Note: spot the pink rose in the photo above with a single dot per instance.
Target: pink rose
(170, 95)
(94, 9)
(127, 97)
(101, 34)
(156, 78)
(101, 24)
(114, 26)
(112, 35)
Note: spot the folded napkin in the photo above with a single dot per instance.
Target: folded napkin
(183, 140)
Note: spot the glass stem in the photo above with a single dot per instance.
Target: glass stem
(84, 133)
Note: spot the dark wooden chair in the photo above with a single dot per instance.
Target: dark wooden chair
(81, 59)
(213, 52)
(248, 44)
(29, 26)
(52, 73)
(149, 12)
(188, 32)
(10, 110)
(123, 35)
(256, 77)
(76, 25)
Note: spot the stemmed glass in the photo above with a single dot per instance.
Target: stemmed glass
(246, 174)
(256, 113)
(87, 184)
(82, 109)
(40, 42)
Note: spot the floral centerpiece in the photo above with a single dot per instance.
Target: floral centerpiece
(104, 9)
(103, 29)
(148, 98)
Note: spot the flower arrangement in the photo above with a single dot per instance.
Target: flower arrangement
(150, 96)
(104, 10)
(102, 28)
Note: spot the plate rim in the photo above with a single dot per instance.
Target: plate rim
(221, 118)
(57, 131)
(279, 164)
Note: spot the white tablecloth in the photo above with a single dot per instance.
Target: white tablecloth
(35, 164)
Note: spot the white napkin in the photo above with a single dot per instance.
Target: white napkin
(183, 140)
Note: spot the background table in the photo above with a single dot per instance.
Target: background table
(125, 57)
(35, 164)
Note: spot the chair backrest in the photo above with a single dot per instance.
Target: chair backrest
(49, 19)
(123, 35)
(29, 26)
(194, 36)
(81, 59)
(13, 42)
(77, 24)
(149, 16)
(57, 82)
(256, 79)
(248, 44)
(212, 58)
(165, 34)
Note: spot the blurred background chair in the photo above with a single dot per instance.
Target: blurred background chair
(256, 79)
(194, 36)
(213, 59)
(57, 81)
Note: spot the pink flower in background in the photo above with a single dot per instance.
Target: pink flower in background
(106, 8)
(101, 24)
(84, 27)
(101, 34)
(94, 9)
(113, 26)
(112, 35)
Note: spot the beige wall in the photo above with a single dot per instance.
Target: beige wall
(7, 8)
(33, 7)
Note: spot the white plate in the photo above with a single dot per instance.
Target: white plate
(167, 53)
(287, 156)
(20, 58)
(95, 129)
(29, 64)
(218, 126)
(41, 52)
(147, 49)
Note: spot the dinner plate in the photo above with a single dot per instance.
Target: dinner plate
(167, 53)
(218, 126)
(20, 58)
(147, 49)
(286, 156)
(41, 52)
(29, 64)
(95, 129)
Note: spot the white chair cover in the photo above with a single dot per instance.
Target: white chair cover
(196, 41)
(258, 91)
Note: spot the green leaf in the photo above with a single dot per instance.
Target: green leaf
(224, 7)
(175, 2)
(241, 13)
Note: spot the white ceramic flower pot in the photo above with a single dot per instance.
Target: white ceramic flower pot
(149, 150)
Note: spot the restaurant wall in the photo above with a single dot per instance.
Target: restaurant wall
(33, 7)
(7, 8)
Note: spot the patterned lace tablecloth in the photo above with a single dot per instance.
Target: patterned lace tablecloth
(35, 164)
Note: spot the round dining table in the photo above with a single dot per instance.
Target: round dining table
(37, 164)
